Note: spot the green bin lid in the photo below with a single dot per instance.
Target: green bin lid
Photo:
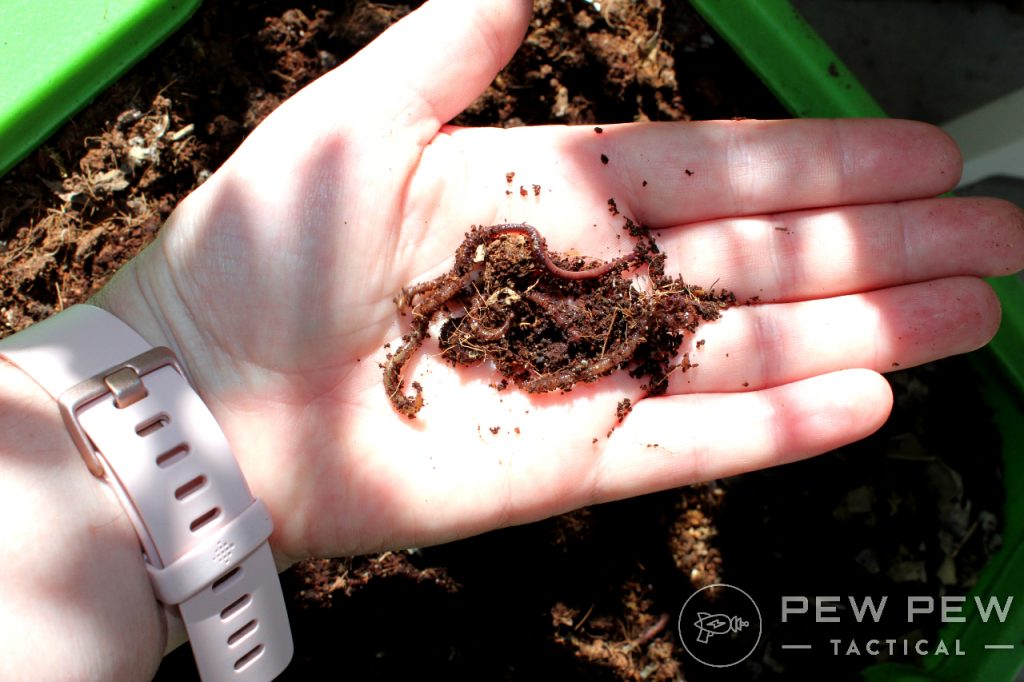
(55, 56)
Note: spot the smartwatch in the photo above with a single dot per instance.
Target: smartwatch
(143, 429)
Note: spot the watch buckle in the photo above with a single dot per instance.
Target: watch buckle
(124, 382)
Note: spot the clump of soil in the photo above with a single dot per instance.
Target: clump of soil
(547, 321)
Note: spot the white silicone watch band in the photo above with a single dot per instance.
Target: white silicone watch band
(141, 426)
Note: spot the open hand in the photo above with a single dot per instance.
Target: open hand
(275, 283)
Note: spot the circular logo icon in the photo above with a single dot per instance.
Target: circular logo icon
(720, 625)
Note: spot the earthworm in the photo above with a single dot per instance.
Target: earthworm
(652, 632)
(559, 311)
(586, 371)
(433, 301)
(422, 313)
(436, 293)
(405, 297)
(482, 333)
(393, 376)
(540, 251)
(464, 262)
(549, 304)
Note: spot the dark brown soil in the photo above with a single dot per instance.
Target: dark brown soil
(548, 322)
(589, 595)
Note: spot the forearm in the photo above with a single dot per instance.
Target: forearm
(77, 603)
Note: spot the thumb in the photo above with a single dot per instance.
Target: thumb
(403, 86)
(431, 65)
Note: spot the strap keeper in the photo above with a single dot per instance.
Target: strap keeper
(218, 553)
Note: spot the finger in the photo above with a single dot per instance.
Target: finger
(399, 89)
(666, 174)
(753, 347)
(818, 253)
(672, 441)
(433, 63)
(734, 168)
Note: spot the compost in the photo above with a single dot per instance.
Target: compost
(589, 595)
(547, 321)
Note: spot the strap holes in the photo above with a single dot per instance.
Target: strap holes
(234, 607)
(227, 579)
(190, 488)
(249, 658)
(172, 456)
(151, 426)
(204, 519)
(242, 632)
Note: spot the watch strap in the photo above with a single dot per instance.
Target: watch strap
(141, 426)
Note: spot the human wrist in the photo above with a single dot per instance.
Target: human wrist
(142, 296)
(141, 427)
(72, 572)
(143, 304)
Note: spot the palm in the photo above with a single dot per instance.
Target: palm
(276, 281)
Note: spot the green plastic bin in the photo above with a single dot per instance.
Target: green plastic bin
(811, 81)
(56, 55)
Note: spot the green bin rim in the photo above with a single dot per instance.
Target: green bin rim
(56, 56)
